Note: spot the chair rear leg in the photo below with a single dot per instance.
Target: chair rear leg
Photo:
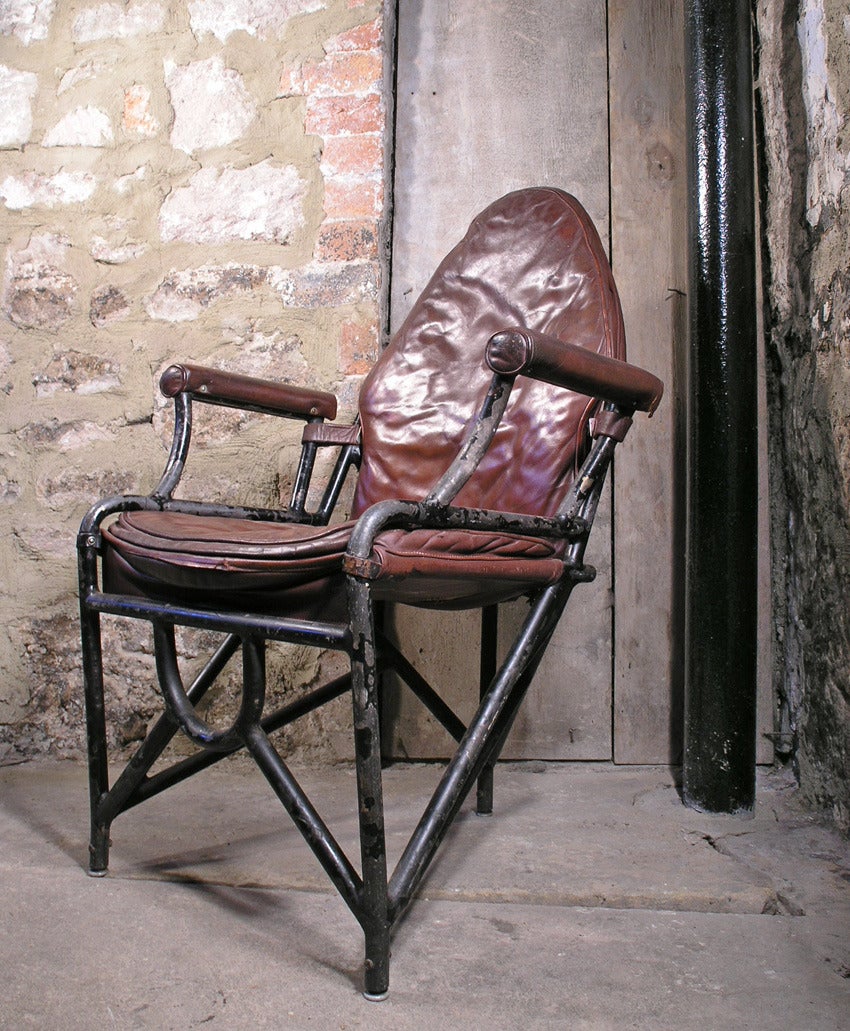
(489, 642)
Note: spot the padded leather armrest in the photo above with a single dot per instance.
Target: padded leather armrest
(514, 351)
(228, 388)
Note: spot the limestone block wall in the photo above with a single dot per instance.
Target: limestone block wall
(804, 91)
(197, 180)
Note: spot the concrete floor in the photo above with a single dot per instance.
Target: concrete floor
(592, 899)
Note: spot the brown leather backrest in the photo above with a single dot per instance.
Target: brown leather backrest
(532, 259)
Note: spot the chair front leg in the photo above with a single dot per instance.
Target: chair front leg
(92, 658)
(374, 917)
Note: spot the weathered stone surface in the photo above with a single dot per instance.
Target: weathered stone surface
(118, 21)
(77, 373)
(17, 89)
(108, 304)
(212, 106)
(54, 711)
(47, 191)
(42, 435)
(183, 295)
(29, 20)
(159, 187)
(318, 285)
(38, 292)
(81, 435)
(107, 254)
(10, 490)
(138, 120)
(830, 162)
(805, 98)
(262, 202)
(72, 488)
(82, 127)
(263, 18)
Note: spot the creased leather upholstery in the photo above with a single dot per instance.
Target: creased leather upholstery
(532, 259)
(172, 556)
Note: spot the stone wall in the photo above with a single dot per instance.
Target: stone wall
(804, 91)
(200, 181)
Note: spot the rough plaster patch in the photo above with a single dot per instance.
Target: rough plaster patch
(261, 354)
(80, 73)
(127, 182)
(17, 90)
(47, 191)
(10, 490)
(263, 202)
(263, 18)
(115, 21)
(212, 106)
(42, 541)
(83, 127)
(29, 20)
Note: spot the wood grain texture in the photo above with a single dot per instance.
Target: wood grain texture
(493, 96)
(648, 238)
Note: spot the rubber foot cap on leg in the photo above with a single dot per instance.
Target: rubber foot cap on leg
(375, 997)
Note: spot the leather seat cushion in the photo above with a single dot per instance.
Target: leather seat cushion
(290, 568)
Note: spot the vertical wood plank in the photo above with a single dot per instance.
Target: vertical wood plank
(648, 240)
(648, 243)
(493, 96)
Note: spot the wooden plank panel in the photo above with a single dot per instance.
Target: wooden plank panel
(648, 240)
(493, 96)
(649, 257)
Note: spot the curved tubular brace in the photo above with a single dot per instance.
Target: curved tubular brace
(216, 387)
(179, 448)
(514, 351)
(426, 515)
(181, 708)
(479, 436)
(572, 522)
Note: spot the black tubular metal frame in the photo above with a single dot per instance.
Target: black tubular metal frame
(376, 899)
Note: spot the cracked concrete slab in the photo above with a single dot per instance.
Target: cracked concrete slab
(591, 899)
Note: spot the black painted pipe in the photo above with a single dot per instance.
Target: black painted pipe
(720, 621)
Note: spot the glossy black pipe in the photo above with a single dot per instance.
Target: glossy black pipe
(720, 621)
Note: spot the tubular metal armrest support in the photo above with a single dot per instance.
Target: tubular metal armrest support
(186, 383)
(409, 515)
(514, 351)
